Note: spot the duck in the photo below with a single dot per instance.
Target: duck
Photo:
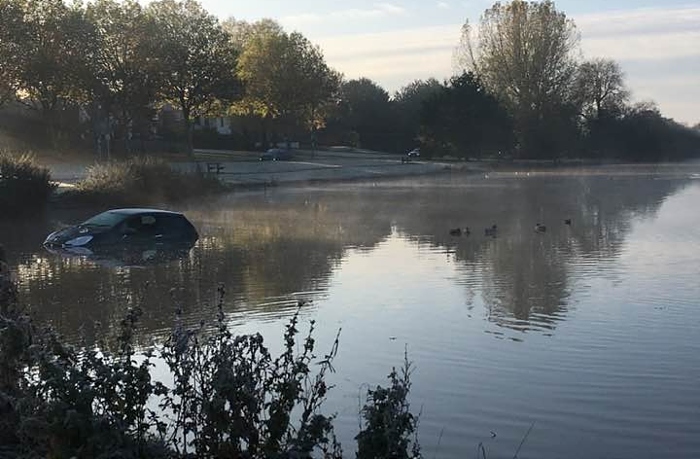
(567, 221)
(540, 228)
(460, 231)
(491, 231)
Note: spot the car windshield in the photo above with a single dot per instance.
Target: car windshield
(105, 220)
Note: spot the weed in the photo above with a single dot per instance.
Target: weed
(389, 427)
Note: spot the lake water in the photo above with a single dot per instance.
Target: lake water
(589, 333)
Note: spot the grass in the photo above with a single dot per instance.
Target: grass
(143, 180)
(25, 186)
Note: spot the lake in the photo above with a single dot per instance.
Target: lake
(587, 333)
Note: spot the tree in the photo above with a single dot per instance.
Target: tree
(11, 34)
(524, 53)
(198, 59)
(45, 45)
(465, 120)
(125, 69)
(600, 87)
(283, 74)
(408, 103)
(366, 114)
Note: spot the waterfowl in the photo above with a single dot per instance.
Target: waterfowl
(567, 221)
(460, 231)
(491, 231)
(540, 228)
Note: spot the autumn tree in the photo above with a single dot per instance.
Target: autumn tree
(283, 74)
(197, 58)
(525, 53)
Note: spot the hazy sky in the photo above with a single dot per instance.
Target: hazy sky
(394, 42)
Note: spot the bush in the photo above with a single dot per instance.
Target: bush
(24, 185)
(227, 397)
(389, 427)
(143, 179)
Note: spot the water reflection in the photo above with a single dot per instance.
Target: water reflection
(269, 250)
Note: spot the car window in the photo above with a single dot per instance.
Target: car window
(105, 219)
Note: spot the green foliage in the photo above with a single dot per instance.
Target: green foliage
(642, 134)
(389, 428)
(143, 179)
(24, 185)
(365, 112)
(464, 120)
(282, 73)
(197, 59)
(408, 104)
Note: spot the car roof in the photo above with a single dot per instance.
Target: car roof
(137, 211)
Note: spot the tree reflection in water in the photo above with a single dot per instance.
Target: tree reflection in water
(268, 250)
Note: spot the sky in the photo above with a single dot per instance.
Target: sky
(394, 42)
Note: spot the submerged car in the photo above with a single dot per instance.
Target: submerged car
(125, 226)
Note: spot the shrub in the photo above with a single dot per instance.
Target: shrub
(24, 185)
(388, 429)
(228, 397)
(144, 179)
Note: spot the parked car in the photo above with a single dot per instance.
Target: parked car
(415, 153)
(126, 227)
(276, 154)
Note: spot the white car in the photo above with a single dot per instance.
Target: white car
(415, 153)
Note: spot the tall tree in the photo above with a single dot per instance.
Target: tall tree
(525, 53)
(198, 59)
(125, 68)
(283, 74)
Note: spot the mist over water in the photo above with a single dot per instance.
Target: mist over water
(587, 332)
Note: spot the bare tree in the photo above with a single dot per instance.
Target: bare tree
(600, 87)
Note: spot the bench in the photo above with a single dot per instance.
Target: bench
(214, 167)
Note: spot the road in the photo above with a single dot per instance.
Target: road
(245, 168)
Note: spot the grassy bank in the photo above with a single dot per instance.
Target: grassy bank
(226, 395)
(25, 186)
(141, 180)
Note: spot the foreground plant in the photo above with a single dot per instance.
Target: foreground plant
(226, 395)
(388, 428)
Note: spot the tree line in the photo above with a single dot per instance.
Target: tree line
(520, 90)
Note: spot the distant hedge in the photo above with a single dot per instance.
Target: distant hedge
(24, 185)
